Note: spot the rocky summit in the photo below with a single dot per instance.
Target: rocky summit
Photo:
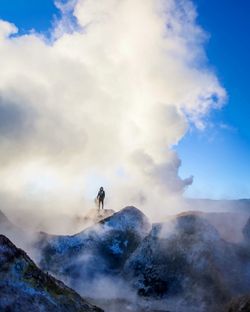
(125, 263)
(97, 251)
(183, 260)
(24, 287)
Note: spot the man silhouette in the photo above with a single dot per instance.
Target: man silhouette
(100, 197)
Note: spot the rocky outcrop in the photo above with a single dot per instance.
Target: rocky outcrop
(100, 250)
(24, 287)
(94, 216)
(180, 265)
(129, 219)
(186, 259)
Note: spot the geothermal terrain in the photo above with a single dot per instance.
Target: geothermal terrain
(194, 261)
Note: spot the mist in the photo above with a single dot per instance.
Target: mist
(102, 101)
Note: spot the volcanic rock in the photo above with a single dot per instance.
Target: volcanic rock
(24, 287)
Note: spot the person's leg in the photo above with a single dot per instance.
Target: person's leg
(102, 203)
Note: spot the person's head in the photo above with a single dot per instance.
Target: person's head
(101, 188)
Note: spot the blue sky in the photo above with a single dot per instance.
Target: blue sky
(218, 157)
(31, 14)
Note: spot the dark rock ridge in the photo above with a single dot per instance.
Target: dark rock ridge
(24, 287)
(179, 265)
(99, 250)
(183, 260)
(189, 261)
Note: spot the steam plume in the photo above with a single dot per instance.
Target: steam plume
(102, 103)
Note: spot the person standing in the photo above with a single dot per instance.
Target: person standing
(100, 198)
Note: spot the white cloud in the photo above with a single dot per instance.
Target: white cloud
(113, 95)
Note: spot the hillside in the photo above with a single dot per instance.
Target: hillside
(24, 287)
(189, 262)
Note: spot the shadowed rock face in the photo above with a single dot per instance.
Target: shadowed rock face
(184, 258)
(100, 250)
(190, 261)
(180, 265)
(240, 304)
(129, 219)
(24, 287)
